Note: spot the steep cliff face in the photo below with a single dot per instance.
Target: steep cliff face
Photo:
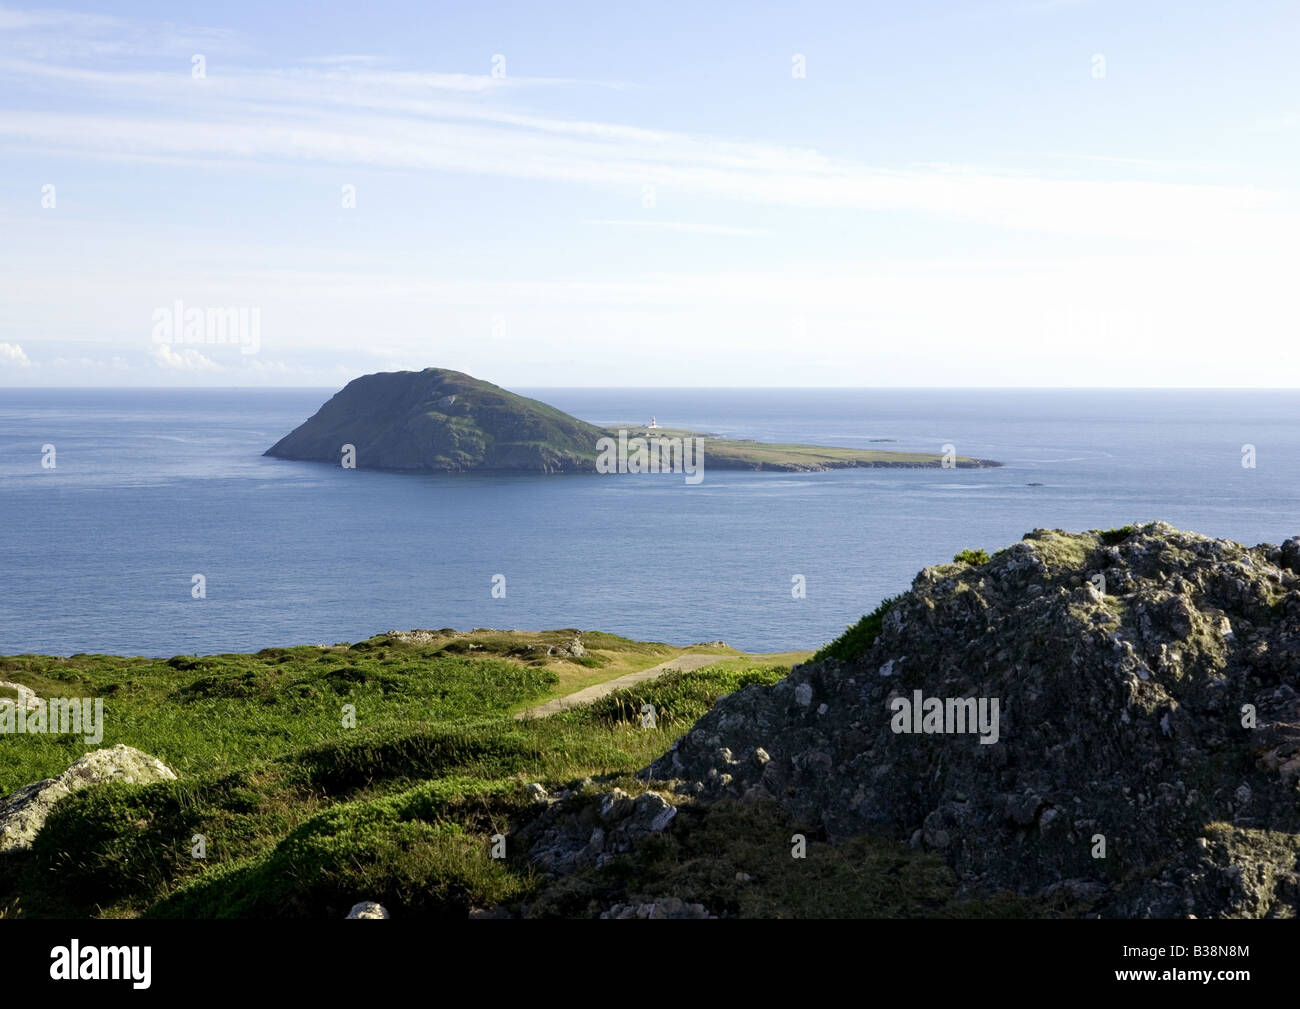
(1145, 754)
(440, 420)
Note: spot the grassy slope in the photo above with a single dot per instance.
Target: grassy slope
(726, 453)
(438, 419)
(304, 817)
(219, 712)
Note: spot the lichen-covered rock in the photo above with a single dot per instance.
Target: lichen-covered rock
(368, 909)
(537, 793)
(24, 698)
(415, 637)
(571, 649)
(666, 907)
(583, 829)
(1147, 749)
(23, 814)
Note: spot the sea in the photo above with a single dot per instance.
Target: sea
(151, 488)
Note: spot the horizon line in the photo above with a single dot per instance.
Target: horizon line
(689, 388)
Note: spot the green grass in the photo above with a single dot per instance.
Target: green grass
(727, 453)
(859, 637)
(423, 850)
(218, 713)
(302, 817)
(679, 699)
(971, 557)
(268, 774)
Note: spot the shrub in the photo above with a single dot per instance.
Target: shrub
(410, 851)
(346, 766)
(860, 636)
(679, 698)
(112, 840)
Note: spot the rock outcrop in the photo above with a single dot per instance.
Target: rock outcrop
(24, 699)
(23, 814)
(668, 907)
(368, 909)
(1142, 758)
(580, 829)
(571, 649)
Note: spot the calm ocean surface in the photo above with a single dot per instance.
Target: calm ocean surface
(152, 487)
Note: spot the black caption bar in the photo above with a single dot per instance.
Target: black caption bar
(162, 959)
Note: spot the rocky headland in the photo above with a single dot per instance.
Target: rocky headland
(1144, 760)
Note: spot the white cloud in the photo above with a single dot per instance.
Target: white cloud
(1112, 312)
(697, 166)
(187, 360)
(438, 122)
(12, 354)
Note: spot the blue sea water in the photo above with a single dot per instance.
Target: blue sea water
(152, 487)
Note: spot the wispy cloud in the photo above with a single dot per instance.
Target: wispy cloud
(75, 88)
(616, 157)
(51, 34)
(352, 114)
(686, 226)
(347, 60)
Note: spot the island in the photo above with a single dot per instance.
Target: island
(438, 420)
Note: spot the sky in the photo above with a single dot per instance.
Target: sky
(982, 193)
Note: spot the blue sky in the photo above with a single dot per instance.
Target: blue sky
(980, 193)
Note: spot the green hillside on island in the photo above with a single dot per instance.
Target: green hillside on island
(437, 420)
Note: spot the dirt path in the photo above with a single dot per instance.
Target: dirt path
(683, 663)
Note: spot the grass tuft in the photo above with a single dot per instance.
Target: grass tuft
(855, 641)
